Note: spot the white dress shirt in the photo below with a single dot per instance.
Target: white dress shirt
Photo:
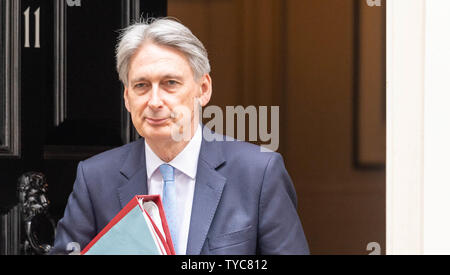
(185, 164)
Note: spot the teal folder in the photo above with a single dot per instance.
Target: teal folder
(140, 228)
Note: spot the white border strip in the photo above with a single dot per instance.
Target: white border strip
(405, 93)
(437, 129)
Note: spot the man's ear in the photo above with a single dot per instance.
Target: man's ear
(205, 90)
(125, 98)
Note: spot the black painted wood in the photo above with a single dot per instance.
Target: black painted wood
(2, 75)
(70, 97)
(9, 74)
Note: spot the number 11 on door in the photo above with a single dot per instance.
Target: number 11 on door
(37, 39)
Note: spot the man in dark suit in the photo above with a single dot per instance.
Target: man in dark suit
(221, 197)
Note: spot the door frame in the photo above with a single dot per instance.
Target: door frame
(417, 128)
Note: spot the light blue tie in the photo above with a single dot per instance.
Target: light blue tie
(169, 201)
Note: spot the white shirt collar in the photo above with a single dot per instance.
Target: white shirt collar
(186, 161)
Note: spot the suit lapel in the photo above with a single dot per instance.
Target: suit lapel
(135, 173)
(208, 191)
(208, 187)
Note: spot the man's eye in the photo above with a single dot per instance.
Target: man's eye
(171, 82)
(139, 85)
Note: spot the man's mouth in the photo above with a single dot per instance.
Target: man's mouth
(156, 121)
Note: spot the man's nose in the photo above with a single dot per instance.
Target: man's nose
(155, 100)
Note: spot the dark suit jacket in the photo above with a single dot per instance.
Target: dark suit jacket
(244, 200)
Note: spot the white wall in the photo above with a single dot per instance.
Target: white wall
(437, 128)
(404, 144)
(418, 128)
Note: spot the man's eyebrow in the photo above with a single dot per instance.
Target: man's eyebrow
(139, 79)
(172, 76)
(166, 76)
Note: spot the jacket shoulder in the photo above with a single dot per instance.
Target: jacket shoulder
(112, 158)
(245, 152)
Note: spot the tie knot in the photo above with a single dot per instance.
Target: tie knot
(167, 172)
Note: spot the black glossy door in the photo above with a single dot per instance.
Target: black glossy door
(61, 100)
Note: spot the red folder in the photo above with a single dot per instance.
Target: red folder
(134, 231)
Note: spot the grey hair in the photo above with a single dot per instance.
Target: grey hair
(161, 31)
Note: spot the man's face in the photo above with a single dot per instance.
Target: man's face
(161, 83)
